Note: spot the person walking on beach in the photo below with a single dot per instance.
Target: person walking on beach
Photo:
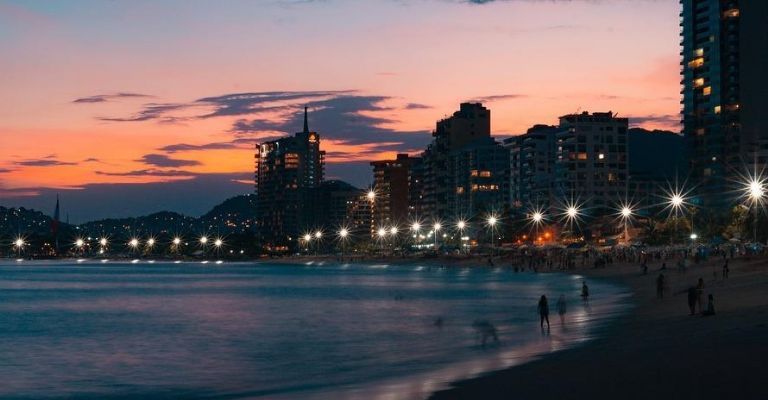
(710, 307)
(700, 294)
(584, 291)
(561, 308)
(692, 299)
(660, 286)
(726, 269)
(544, 311)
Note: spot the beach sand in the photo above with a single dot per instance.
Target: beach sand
(656, 351)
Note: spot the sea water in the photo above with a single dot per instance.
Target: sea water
(100, 330)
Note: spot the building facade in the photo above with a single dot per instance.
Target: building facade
(391, 184)
(480, 172)
(532, 160)
(287, 172)
(592, 161)
(470, 123)
(724, 59)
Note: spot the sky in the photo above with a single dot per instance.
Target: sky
(129, 107)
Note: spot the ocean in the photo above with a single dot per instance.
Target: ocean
(110, 330)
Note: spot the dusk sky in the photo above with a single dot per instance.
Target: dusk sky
(131, 107)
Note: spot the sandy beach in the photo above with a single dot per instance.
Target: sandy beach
(656, 351)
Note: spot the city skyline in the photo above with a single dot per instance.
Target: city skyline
(98, 125)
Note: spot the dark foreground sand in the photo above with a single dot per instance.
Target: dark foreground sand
(657, 351)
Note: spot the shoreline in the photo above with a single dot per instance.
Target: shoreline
(656, 350)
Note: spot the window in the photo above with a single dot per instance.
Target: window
(717, 109)
(698, 82)
(600, 156)
(707, 91)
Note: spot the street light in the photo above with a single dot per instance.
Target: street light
(218, 242)
(461, 225)
(203, 240)
(176, 241)
(19, 244)
(437, 226)
(755, 192)
(371, 195)
(134, 243)
(103, 242)
(343, 233)
(491, 222)
(626, 211)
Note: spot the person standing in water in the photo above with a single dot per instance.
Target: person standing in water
(544, 311)
(561, 308)
(584, 291)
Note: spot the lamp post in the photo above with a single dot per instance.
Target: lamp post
(491, 222)
(343, 233)
(436, 228)
(415, 228)
(756, 193)
(19, 245)
(318, 236)
(461, 225)
(382, 234)
(307, 240)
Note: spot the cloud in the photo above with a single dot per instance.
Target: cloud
(150, 172)
(5, 170)
(416, 106)
(101, 98)
(151, 111)
(342, 115)
(497, 97)
(47, 161)
(161, 160)
(672, 120)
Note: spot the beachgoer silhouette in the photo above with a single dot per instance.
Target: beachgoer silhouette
(660, 286)
(700, 293)
(692, 299)
(544, 311)
(710, 306)
(561, 308)
(584, 291)
(485, 330)
(726, 269)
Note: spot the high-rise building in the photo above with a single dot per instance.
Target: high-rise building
(724, 60)
(591, 164)
(391, 184)
(332, 200)
(532, 161)
(286, 172)
(470, 123)
(480, 174)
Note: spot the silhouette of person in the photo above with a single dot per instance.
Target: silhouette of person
(726, 269)
(544, 311)
(561, 308)
(584, 291)
(692, 299)
(710, 306)
(700, 293)
(660, 286)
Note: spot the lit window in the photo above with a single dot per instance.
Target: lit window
(707, 91)
(459, 189)
(696, 62)
(699, 52)
(732, 13)
(582, 156)
(601, 156)
(717, 109)
(485, 174)
(698, 82)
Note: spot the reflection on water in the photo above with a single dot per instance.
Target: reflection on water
(168, 330)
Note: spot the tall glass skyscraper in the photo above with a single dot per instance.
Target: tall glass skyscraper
(724, 61)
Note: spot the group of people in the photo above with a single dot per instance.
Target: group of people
(562, 307)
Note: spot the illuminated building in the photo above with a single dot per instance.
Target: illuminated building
(532, 161)
(286, 172)
(470, 123)
(724, 62)
(391, 183)
(591, 162)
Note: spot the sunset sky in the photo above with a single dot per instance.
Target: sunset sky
(130, 107)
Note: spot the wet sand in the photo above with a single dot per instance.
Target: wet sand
(657, 351)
